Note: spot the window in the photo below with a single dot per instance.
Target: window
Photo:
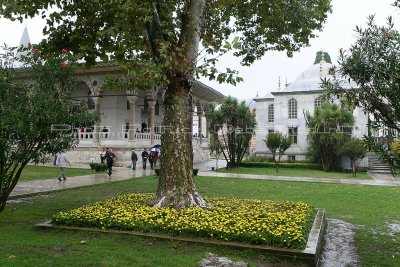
(292, 108)
(128, 106)
(271, 113)
(292, 158)
(293, 134)
(270, 130)
(317, 102)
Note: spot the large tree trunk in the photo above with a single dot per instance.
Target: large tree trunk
(175, 187)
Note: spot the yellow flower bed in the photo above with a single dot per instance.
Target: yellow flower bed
(279, 224)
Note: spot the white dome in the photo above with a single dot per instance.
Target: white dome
(310, 79)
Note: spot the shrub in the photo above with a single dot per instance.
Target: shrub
(257, 159)
(157, 171)
(98, 167)
(297, 165)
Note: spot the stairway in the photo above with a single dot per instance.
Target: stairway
(377, 166)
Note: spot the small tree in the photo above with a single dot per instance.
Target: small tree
(329, 127)
(36, 118)
(277, 143)
(239, 123)
(215, 146)
(355, 150)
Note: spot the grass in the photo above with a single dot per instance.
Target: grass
(33, 172)
(297, 172)
(21, 244)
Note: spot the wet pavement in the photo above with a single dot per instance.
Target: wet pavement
(205, 169)
(339, 245)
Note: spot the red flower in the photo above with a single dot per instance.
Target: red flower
(64, 50)
(63, 64)
(34, 50)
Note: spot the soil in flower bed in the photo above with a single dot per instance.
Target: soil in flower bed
(279, 224)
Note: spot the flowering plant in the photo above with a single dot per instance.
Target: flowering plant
(280, 224)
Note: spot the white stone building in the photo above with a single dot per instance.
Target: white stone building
(129, 118)
(284, 111)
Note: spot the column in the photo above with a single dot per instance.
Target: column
(152, 105)
(132, 118)
(207, 135)
(96, 130)
(200, 123)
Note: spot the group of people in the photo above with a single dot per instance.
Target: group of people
(108, 157)
(152, 157)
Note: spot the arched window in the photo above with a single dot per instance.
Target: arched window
(317, 102)
(271, 113)
(292, 108)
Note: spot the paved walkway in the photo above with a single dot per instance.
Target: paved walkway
(123, 173)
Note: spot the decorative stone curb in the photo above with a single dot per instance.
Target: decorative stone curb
(309, 256)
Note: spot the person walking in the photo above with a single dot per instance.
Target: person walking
(145, 155)
(151, 159)
(109, 158)
(134, 159)
(62, 162)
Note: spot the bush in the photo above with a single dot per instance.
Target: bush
(98, 167)
(157, 171)
(297, 165)
(257, 159)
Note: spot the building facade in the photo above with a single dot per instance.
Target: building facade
(130, 118)
(284, 111)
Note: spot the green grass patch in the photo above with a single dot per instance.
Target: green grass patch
(33, 172)
(279, 224)
(370, 208)
(296, 172)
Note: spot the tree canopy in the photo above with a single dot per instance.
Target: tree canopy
(160, 32)
(37, 117)
(373, 62)
(277, 143)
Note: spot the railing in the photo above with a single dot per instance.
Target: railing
(116, 136)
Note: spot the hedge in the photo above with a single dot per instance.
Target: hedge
(98, 167)
(291, 165)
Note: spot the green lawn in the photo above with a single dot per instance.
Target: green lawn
(21, 244)
(297, 172)
(33, 172)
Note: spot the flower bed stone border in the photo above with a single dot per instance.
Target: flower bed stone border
(310, 255)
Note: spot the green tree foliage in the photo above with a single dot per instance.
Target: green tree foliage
(235, 123)
(373, 62)
(158, 43)
(37, 117)
(277, 143)
(355, 150)
(329, 127)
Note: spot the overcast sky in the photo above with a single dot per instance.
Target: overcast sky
(263, 75)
